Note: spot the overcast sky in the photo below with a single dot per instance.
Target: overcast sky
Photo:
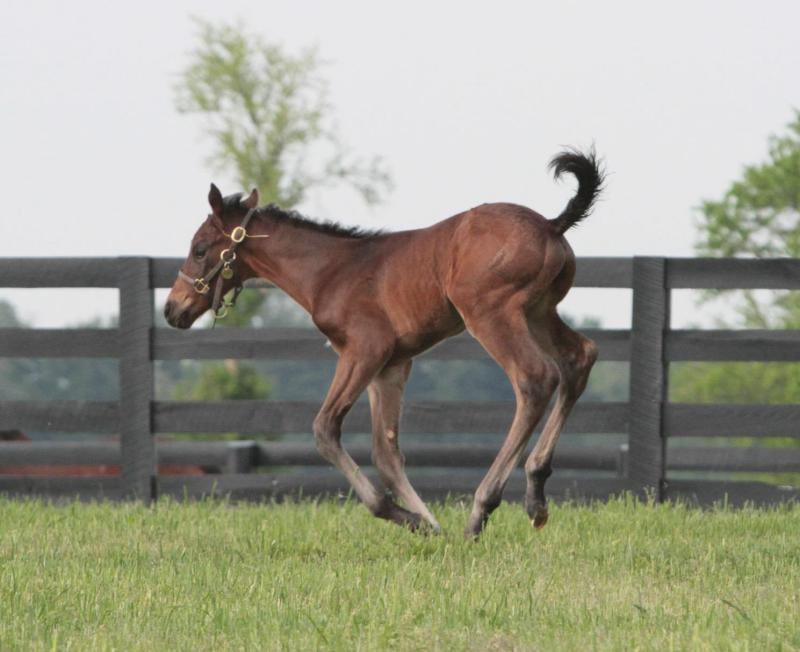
(466, 102)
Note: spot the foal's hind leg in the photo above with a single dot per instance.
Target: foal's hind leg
(385, 398)
(355, 370)
(534, 377)
(575, 355)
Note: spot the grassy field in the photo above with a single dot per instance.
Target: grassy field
(620, 576)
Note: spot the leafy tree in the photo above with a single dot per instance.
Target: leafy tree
(758, 216)
(219, 384)
(736, 382)
(267, 115)
(8, 316)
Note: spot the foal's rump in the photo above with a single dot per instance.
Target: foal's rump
(505, 250)
(505, 253)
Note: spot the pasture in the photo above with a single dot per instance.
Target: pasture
(212, 575)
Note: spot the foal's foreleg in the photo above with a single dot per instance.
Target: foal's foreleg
(353, 373)
(385, 398)
(575, 355)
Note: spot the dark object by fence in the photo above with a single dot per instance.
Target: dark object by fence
(436, 468)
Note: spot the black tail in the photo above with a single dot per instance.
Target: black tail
(590, 176)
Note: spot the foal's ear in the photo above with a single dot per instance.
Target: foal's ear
(215, 199)
(251, 201)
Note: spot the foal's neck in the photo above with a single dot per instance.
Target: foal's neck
(297, 259)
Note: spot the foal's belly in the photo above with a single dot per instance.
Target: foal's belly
(428, 333)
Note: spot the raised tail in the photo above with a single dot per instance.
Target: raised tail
(590, 176)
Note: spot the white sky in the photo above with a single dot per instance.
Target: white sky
(465, 101)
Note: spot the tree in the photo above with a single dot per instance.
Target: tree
(758, 216)
(219, 385)
(267, 115)
(8, 316)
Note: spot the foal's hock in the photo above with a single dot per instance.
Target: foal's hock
(498, 270)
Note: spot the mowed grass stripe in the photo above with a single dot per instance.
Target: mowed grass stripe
(214, 576)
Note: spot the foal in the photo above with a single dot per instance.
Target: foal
(498, 270)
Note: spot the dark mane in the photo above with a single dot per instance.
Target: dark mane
(331, 228)
(301, 221)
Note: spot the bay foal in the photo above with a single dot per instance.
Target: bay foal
(498, 270)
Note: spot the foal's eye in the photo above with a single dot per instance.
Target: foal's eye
(200, 251)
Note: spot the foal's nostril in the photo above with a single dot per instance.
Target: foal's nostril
(168, 310)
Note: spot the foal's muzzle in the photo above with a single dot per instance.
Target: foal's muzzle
(182, 312)
(174, 317)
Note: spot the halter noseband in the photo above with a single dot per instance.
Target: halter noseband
(202, 284)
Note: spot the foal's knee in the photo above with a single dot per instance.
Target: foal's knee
(326, 436)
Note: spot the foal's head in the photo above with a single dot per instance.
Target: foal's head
(193, 292)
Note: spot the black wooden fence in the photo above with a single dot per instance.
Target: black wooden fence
(644, 465)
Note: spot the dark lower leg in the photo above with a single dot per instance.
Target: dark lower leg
(538, 466)
(378, 503)
(506, 336)
(577, 356)
(535, 501)
(530, 406)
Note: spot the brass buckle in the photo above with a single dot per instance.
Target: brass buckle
(200, 286)
(227, 260)
(238, 234)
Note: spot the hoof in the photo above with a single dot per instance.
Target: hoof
(475, 527)
(539, 519)
(411, 520)
(431, 529)
(537, 512)
(391, 511)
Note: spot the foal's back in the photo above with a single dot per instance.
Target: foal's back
(496, 242)
(425, 280)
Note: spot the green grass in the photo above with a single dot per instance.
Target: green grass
(619, 576)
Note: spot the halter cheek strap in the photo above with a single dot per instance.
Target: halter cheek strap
(202, 284)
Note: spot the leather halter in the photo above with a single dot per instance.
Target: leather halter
(222, 269)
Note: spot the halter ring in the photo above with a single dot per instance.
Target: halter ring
(238, 234)
(227, 251)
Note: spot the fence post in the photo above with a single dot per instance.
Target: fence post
(240, 456)
(136, 379)
(648, 375)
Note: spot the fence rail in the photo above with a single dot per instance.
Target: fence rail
(302, 344)
(647, 463)
(244, 456)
